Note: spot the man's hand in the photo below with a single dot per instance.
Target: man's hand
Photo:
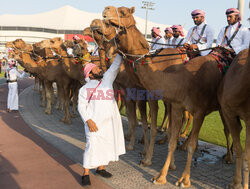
(92, 126)
(186, 45)
(193, 46)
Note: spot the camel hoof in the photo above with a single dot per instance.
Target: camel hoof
(48, 112)
(127, 137)
(143, 153)
(172, 167)
(162, 141)
(145, 163)
(129, 147)
(67, 122)
(182, 183)
(141, 141)
(234, 186)
(159, 181)
(73, 115)
(184, 136)
(182, 147)
(228, 159)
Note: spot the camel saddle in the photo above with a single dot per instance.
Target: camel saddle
(223, 57)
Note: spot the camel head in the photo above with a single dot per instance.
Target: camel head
(50, 43)
(129, 39)
(106, 30)
(119, 17)
(103, 34)
(80, 49)
(18, 46)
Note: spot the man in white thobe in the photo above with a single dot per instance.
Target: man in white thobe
(12, 74)
(157, 40)
(200, 36)
(235, 37)
(100, 114)
(178, 34)
(168, 37)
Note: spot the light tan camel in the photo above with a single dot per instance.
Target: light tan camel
(192, 87)
(234, 98)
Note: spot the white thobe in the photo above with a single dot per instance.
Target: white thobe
(155, 46)
(107, 143)
(206, 40)
(12, 75)
(241, 40)
(176, 41)
(168, 42)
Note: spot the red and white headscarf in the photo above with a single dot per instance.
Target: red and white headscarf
(76, 37)
(157, 31)
(168, 29)
(233, 11)
(11, 63)
(178, 28)
(88, 68)
(197, 12)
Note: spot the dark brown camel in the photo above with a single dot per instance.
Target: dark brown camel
(234, 98)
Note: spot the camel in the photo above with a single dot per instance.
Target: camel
(234, 96)
(192, 86)
(99, 27)
(50, 71)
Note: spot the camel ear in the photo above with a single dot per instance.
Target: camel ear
(132, 10)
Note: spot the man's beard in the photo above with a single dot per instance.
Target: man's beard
(98, 76)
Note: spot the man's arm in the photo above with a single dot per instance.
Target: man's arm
(245, 41)
(220, 37)
(210, 39)
(114, 69)
(20, 75)
(82, 109)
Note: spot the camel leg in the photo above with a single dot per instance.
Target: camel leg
(75, 99)
(142, 106)
(246, 158)
(132, 121)
(165, 138)
(59, 97)
(188, 117)
(36, 86)
(40, 86)
(234, 127)
(184, 181)
(66, 93)
(175, 127)
(228, 158)
(153, 105)
(52, 94)
(43, 94)
(48, 86)
(165, 118)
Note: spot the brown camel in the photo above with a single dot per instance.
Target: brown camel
(98, 27)
(234, 96)
(50, 71)
(192, 87)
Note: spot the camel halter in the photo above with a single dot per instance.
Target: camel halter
(53, 52)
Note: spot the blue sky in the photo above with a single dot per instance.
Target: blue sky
(166, 11)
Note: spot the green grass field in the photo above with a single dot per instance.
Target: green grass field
(212, 130)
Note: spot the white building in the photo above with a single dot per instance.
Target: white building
(55, 23)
